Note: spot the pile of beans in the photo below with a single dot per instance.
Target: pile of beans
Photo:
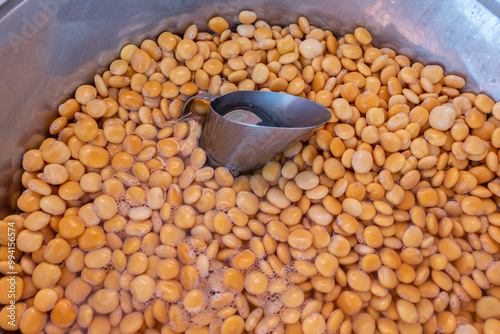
(384, 220)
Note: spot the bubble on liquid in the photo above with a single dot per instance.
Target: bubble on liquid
(145, 201)
(222, 207)
(173, 209)
(149, 302)
(121, 233)
(123, 208)
(213, 287)
(234, 171)
(198, 245)
(108, 267)
(289, 268)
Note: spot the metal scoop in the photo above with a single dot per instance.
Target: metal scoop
(246, 129)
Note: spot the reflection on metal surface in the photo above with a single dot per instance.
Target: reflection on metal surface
(49, 47)
(248, 116)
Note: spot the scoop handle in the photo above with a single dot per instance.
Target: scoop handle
(189, 102)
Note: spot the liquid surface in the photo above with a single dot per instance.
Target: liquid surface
(247, 115)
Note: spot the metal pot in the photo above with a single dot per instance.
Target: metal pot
(49, 47)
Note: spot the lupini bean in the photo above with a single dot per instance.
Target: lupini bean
(310, 48)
